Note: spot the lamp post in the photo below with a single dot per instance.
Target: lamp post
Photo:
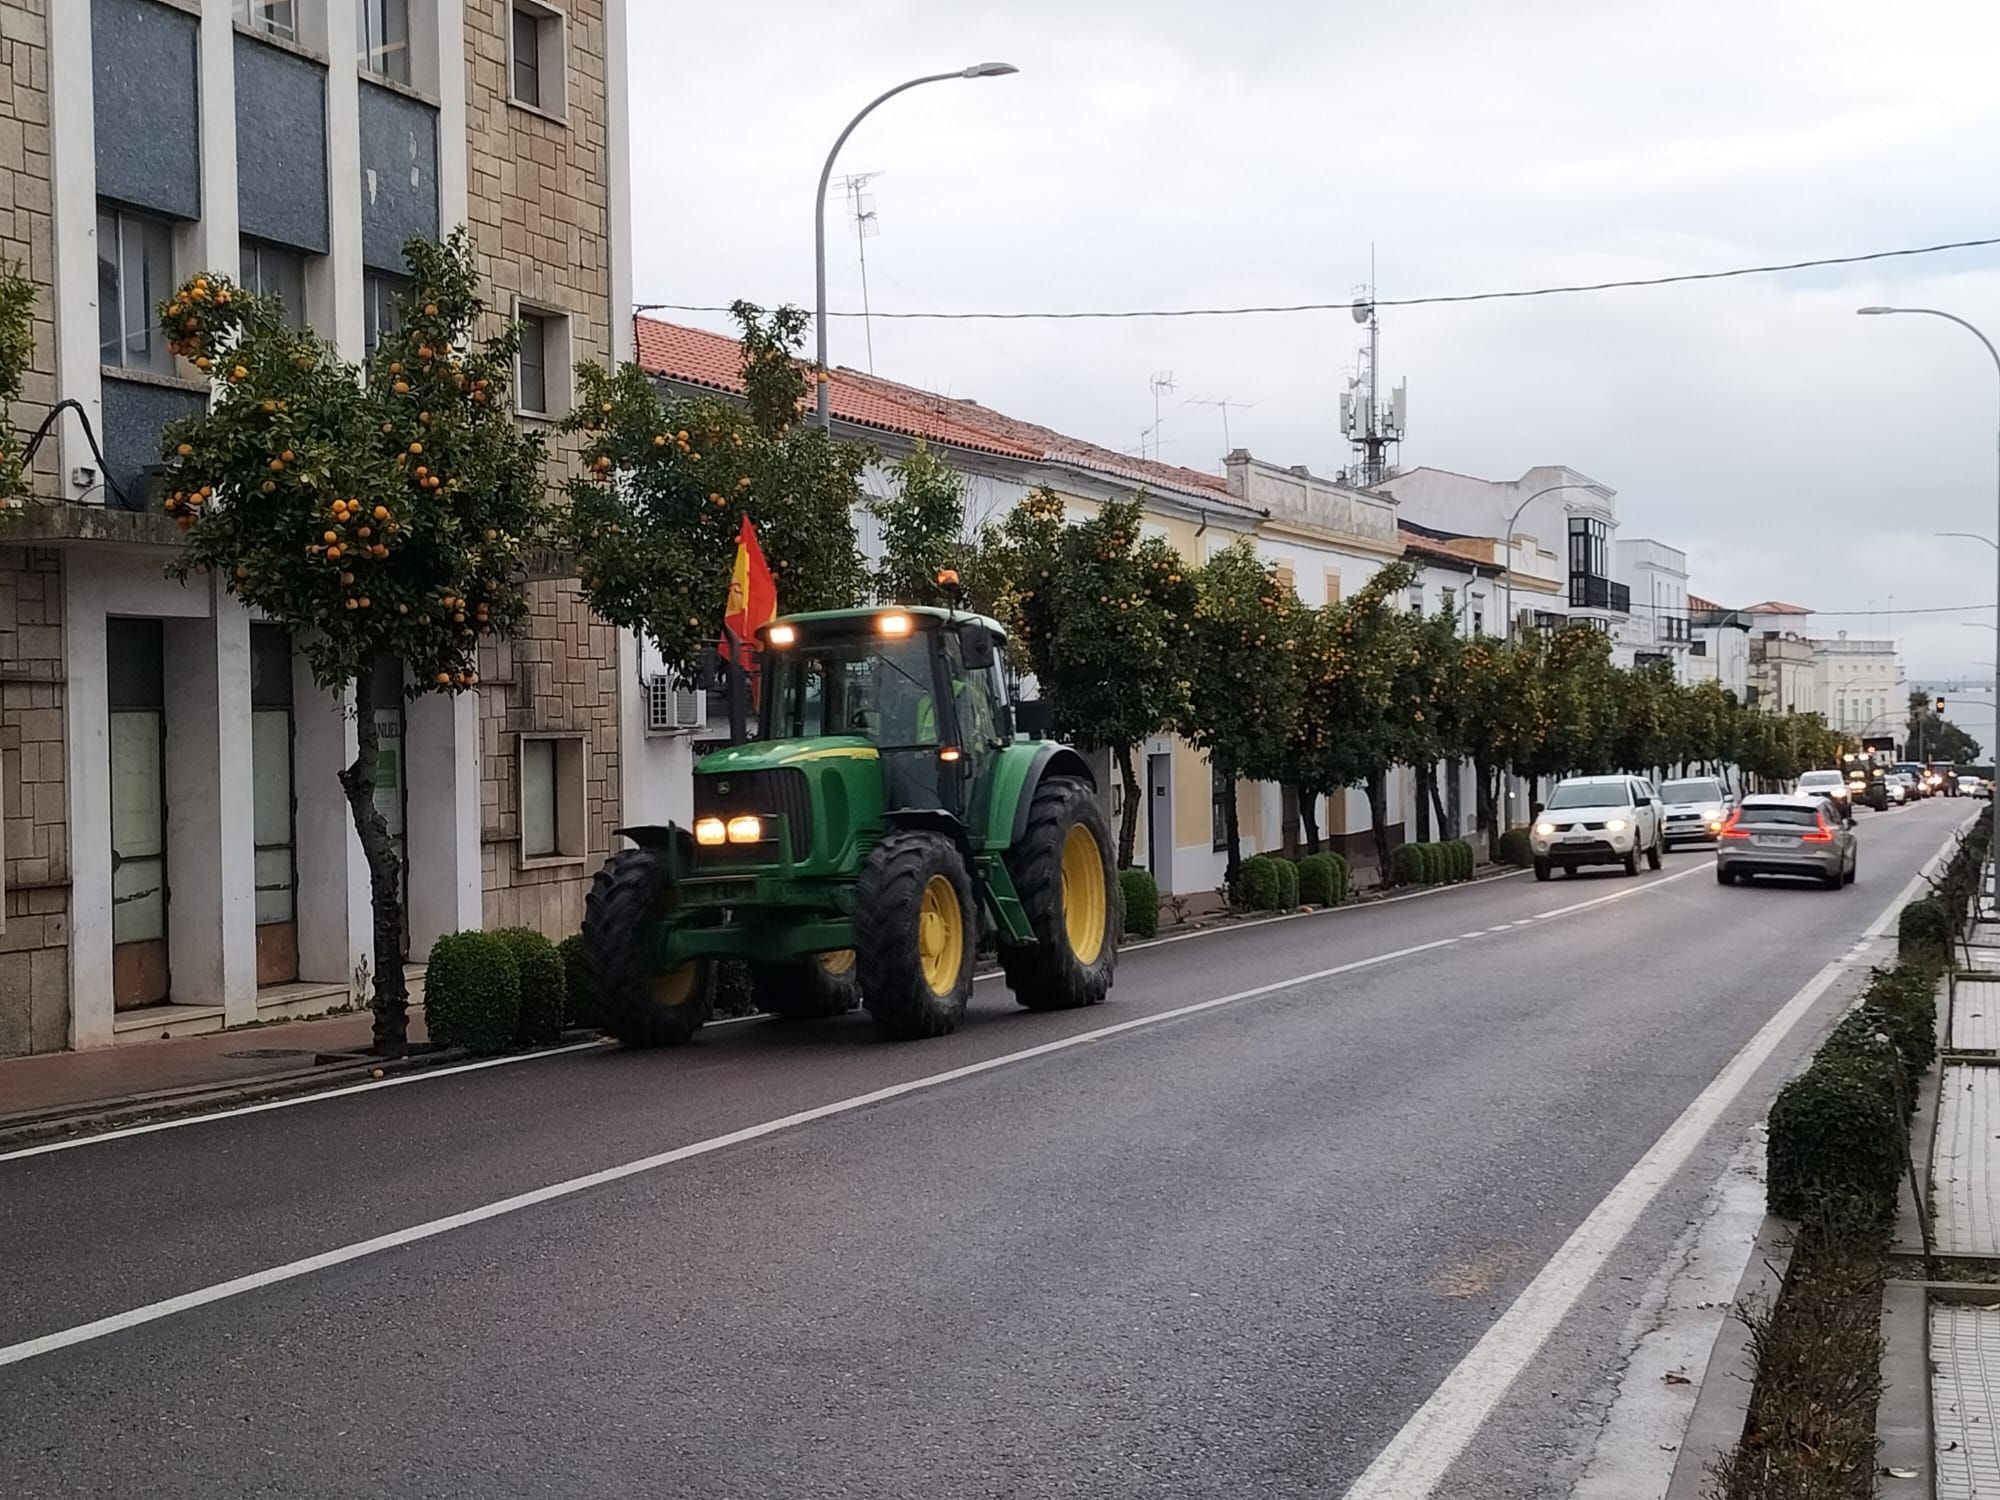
(1932, 312)
(977, 70)
(1508, 542)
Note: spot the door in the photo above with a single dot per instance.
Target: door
(1160, 819)
(273, 804)
(136, 700)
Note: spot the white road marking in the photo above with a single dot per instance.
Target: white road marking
(1416, 1459)
(1467, 937)
(421, 1076)
(152, 1312)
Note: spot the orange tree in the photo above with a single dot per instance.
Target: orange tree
(653, 521)
(1501, 716)
(380, 520)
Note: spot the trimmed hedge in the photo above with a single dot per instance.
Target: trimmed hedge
(1288, 883)
(1443, 863)
(1467, 860)
(1323, 880)
(1923, 932)
(1836, 1141)
(577, 1009)
(1513, 848)
(540, 1018)
(472, 992)
(1259, 884)
(1139, 896)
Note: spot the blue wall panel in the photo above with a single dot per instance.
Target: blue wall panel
(146, 103)
(135, 414)
(281, 146)
(399, 184)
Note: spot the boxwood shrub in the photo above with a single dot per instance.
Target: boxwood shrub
(1512, 848)
(1343, 881)
(1140, 895)
(1259, 886)
(1319, 880)
(1288, 882)
(1467, 861)
(472, 992)
(1836, 1142)
(577, 1009)
(540, 1018)
(1923, 932)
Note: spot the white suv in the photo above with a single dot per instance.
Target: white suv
(1599, 820)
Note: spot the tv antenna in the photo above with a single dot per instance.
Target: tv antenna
(1160, 380)
(861, 209)
(1223, 403)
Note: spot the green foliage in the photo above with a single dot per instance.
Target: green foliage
(1322, 880)
(472, 992)
(1139, 898)
(1288, 882)
(1906, 997)
(653, 521)
(1260, 884)
(1933, 737)
(923, 529)
(17, 347)
(1350, 655)
(1406, 865)
(1924, 932)
(1513, 848)
(540, 1019)
(577, 1008)
(1836, 1138)
(377, 518)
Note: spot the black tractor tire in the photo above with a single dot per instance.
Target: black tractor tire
(1543, 869)
(638, 1006)
(909, 867)
(1069, 966)
(808, 989)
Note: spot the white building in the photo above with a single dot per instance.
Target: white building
(1718, 647)
(1656, 579)
(1861, 689)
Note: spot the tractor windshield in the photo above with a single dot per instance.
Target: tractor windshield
(878, 688)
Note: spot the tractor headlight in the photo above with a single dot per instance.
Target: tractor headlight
(709, 831)
(745, 830)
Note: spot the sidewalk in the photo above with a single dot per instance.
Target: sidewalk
(1963, 1315)
(135, 1076)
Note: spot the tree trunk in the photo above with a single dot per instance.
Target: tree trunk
(1232, 865)
(1128, 821)
(1482, 800)
(391, 998)
(1378, 814)
(1421, 807)
(1445, 830)
(1309, 816)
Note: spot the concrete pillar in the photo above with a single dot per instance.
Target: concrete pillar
(441, 757)
(87, 733)
(73, 168)
(335, 924)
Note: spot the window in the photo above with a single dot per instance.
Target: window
(273, 17)
(541, 368)
(1282, 571)
(135, 273)
(552, 796)
(385, 38)
(1478, 621)
(1333, 586)
(1588, 548)
(1417, 600)
(1591, 794)
(271, 271)
(379, 312)
(535, 46)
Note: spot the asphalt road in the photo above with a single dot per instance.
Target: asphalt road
(1222, 1251)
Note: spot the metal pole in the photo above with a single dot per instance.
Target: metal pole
(978, 70)
(1508, 542)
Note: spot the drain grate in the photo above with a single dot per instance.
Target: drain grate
(272, 1052)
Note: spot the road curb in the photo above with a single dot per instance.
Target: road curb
(1903, 1411)
(1722, 1409)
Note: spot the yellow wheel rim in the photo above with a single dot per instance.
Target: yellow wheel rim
(940, 936)
(837, 962)
(676, 987)
(1083, 894)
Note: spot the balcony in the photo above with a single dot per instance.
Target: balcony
(1588, 591)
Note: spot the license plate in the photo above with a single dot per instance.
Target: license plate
(1577, 838)
(1775, 840)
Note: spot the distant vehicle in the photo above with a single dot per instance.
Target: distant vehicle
(1944, 777)
(1599, 820)
(1864, 785)
(1695, 808)
(1972, 786)
(1901, 787)
(1915, 770)
(1779, 835)
(1830, 785)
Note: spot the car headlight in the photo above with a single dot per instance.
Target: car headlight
(1545, 829)
(1615, 825)
(1711, 814)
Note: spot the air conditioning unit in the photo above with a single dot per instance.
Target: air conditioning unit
(674, 707)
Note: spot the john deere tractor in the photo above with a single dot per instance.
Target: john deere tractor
(885, 820)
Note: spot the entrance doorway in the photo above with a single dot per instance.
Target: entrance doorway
(273, 804)
(135, 697)
(1160, 819)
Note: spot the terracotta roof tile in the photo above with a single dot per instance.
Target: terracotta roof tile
(1695, 601)
(1775, 607)
(692, 356)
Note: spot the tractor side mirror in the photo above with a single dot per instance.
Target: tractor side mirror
(1032, 718)
(976, 647)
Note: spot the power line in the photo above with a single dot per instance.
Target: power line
(1431, 301)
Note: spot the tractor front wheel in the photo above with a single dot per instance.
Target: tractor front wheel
(639, 1003)
(806, 989)
(1068, 885)
(914, 934)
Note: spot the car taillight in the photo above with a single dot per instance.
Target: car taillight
(1729, 830)
(1824, 836)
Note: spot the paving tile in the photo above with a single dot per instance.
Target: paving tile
(1965, 1400)
(1975, 1015)
(1965, 1165)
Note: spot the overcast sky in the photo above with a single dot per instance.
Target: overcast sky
(1173, 153)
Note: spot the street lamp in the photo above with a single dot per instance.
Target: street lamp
(977, 70)
(1932, 312)
(1508, 541)
(1971, 536)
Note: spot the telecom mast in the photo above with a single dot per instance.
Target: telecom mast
(1368, 422)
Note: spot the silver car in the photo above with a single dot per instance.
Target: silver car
(1785, 835)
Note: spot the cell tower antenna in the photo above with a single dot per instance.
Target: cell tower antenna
(1160, 380)
(861, 209)
(1370, 423)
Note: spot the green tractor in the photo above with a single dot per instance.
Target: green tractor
(885, 820)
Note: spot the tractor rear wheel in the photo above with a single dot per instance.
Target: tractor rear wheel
(805, 989)
(915, 928)
(640, 1004)
(1068, 885)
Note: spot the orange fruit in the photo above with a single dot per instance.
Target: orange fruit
(185, 449)
(416, 447)
(364, 601)
(402, 387)
(286, 455)
(346, 579)
(430, 309)
(381, 512)
(350, 604)
(277, 466)
(329, 536)
(443, 678)
(333, 554)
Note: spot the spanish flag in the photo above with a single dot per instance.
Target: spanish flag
(753, 597)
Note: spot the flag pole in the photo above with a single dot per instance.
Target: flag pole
(737, 686)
